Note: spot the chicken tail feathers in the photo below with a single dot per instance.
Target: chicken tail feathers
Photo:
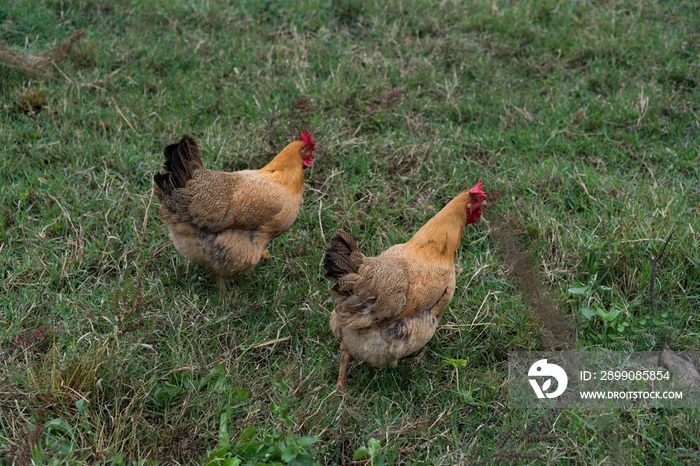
(181, 160)
(342, 257)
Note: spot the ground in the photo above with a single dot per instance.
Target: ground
(581, 118)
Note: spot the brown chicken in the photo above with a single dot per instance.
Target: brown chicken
(388, 307)
(224, 220)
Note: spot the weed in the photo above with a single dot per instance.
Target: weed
(128, 311)
(275, 444)
(467, 395)
(370, 451)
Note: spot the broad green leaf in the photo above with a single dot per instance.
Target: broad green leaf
(306, 441)
(613, 314)
(360, 453)
(80, 404)
(302, 459)
(289, 453)
(250, 448)
(374, 446)
(224, 439)
(588, 313)
(247, 433)
(578, 290)
(220, 453)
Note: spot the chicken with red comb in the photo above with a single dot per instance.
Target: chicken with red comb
(387, 307)
(224, 220)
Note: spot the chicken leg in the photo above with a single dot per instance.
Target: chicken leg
(345, 358)
(223, 290)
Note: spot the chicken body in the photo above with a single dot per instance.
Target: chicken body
(224, 220)
(374, 333)
(388, 307)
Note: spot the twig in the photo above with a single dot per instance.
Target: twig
(271, 342)
(65, 212)
(61, 71)
(654, 267)
(122, 115)
(583, 185)
(111, 74)
(320, 223)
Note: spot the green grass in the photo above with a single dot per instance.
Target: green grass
(582, 119)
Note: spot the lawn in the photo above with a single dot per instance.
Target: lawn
(582, 118)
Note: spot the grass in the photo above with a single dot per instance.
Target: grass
(582, 119)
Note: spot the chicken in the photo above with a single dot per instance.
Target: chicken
(224, 220)
(388, 307)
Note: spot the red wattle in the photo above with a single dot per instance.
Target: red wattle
(474, 216)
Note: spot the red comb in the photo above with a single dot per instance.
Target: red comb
(306, 136)
(478, 190)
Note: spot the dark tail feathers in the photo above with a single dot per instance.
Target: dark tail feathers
(181, 160)
(342, 257)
